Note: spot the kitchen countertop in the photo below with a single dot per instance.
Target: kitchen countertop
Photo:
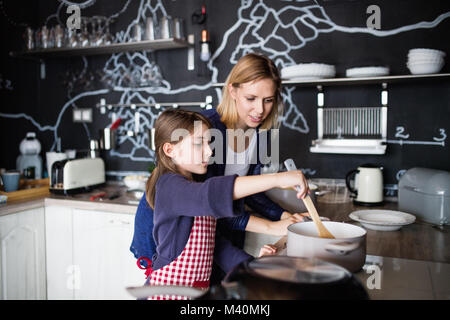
(125, 203)
(418, 241)
(386, 278)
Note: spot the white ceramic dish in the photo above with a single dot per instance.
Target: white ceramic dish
(135, 182)
(308, 70)
(426, 52)
(382, 220)
(367, 72)
(424, 68)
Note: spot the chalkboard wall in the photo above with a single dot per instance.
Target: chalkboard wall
(332, 31)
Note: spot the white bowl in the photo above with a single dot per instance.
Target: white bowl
(425, 68)
(425, 51)
(428, 60)
(135, 182)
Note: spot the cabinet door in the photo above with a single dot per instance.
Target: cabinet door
(61, 273)
(22, 255)
(101, 253)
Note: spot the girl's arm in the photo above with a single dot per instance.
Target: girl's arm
(248, 185)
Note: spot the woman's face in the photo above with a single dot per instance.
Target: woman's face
(254, 101)
(191, 155)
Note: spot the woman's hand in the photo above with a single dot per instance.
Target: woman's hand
(293, 178)
(267, 250)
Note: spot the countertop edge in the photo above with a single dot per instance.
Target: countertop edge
(91, 205)
(10, 208)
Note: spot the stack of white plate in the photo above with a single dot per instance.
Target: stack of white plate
(425, 61)
(367, 72)
(308, 71)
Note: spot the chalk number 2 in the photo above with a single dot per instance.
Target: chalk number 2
(400, 133)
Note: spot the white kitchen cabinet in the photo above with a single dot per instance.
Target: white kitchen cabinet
(61, 273)
(101, 255)
(22, 255)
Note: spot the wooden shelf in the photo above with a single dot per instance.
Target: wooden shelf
(365, 80)
(147, 45)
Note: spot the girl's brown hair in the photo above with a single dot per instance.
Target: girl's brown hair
(251, 67)
(165, 125)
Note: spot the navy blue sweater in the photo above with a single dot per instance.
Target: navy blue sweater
(177, 201)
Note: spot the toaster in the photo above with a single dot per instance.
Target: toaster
(77, 175)
(426, 194)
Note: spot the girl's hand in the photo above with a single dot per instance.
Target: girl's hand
(294, 178)
(267, 250)
(279, 228)
(301, 216)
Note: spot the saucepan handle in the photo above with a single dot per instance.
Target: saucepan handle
(341, 248)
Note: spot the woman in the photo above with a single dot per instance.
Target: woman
(251, 100)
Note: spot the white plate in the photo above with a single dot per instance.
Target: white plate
(382, 220)
(308, 70)
(367, 72)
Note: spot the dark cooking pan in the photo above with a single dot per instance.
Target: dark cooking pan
(274, 278)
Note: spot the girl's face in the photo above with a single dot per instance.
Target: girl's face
(254, 101)
(191, 155)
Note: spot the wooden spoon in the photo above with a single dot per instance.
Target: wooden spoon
(323, 232)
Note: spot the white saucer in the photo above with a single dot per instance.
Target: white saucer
(382, 220)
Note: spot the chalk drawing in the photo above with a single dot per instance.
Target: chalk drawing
(253, 16)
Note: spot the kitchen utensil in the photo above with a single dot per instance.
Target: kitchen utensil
(138, 32)
(10, 180)
(151, 138)
(348, 249)
(368, 185)
(426, 193)
(166, 27)
(382, 220)
(178, 28)
(115, 124)
(44, 35)
(59, 36)
(29, 38)
(273, 277)
(98, 195)
(149, 29)
(323, 232)
(107, 139)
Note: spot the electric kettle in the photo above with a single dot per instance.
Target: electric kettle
(368, 185)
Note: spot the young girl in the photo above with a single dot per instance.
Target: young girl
(185, 211)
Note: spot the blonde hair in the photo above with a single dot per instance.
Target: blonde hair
(167, 122)
(251, 67)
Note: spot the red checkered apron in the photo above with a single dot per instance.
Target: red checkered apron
(193, 266)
